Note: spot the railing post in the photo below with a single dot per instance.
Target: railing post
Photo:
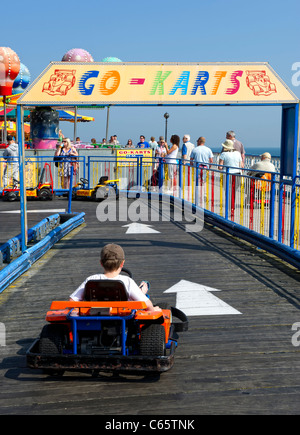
(280, 211)
(160, 174)
(197, 186)
(227, 193)
(293, 210)
(180, 178)
(89, 172)
(272, 207)
(84, 168)
(70, 189)
(141, 173)
(23, 197)
(138, 171)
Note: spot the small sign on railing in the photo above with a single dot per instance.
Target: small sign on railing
(127, 157)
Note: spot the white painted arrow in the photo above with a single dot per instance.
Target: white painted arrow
(136, 228)
(196, 300)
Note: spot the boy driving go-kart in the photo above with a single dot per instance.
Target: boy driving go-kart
(108, 324)
(112, 259)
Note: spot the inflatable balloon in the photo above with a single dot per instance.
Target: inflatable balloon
(22, 80)
(44, 127)
(111, 59)
(9, 69)
(77, 55)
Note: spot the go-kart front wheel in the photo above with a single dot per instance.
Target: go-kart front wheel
(152, 342)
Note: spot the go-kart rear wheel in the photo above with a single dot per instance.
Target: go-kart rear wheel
(45, 194)
(53, 339)
(12, 196)
(152, 342)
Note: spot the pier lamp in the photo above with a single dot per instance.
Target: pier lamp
(166, 116)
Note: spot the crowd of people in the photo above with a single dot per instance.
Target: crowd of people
(232, 154)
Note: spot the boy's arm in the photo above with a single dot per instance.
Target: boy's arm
(150, 306)
(77, 295)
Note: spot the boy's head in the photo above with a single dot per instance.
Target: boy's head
(111, 257)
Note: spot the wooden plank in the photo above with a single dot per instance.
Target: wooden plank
(242, 364)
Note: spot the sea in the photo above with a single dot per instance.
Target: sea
(254, 151)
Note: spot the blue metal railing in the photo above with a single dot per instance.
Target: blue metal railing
(270, 209)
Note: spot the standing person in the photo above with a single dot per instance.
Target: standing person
(129, 144)
(115, 140)
(60, 136)
(187, 148)
(171, 155)
(11, 154)
(153, 144)
(142, 143)
(201, 154)
(67, 152)
(230, 157)
(160, 151)
(238, 146)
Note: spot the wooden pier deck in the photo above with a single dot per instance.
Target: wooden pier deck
(224, 364)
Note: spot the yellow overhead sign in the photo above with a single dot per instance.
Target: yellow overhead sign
(98, 83)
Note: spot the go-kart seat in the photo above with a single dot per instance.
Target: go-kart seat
(105, 290)
(103, 179)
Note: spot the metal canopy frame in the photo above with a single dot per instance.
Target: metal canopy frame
(289, 128)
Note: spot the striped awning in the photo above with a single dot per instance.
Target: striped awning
(64, 115)
(11, 127)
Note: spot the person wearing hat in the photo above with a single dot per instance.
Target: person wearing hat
(264, 165)
(238, 146)
(230, 157)
(112, 259)
(11, 154)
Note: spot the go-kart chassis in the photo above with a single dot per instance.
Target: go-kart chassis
(108, 363)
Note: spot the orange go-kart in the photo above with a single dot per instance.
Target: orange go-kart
(106, 332)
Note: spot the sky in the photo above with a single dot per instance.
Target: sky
(166, 31)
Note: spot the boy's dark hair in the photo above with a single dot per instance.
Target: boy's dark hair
(111, 257)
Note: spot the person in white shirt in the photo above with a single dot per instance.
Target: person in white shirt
(171, 158)
(264, 165)
(187, 148)
(238, 146)
(112, 258)
(201, 154)
(153, 144)
(11, 155)
(230, 157)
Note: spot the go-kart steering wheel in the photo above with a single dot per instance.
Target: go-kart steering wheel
(84, 181)
(127, 271)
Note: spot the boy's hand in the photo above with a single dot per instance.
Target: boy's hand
(144, 287)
